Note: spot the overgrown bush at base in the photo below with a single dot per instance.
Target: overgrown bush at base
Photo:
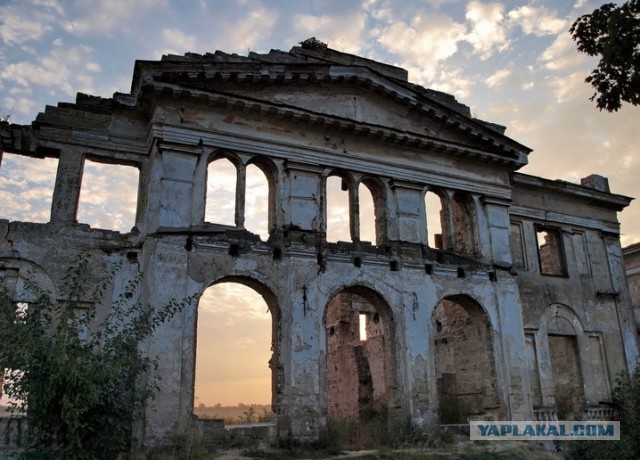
(79, 382)
(626, 399)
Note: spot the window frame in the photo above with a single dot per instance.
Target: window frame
(562, 257)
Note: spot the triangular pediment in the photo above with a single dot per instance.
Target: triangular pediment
(349, 89)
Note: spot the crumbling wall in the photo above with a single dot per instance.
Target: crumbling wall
(402, 141)
(464, 361)
(356, 374)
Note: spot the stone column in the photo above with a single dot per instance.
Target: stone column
(241, 186)
(66, 193)
(496, 243)
(411, 220)
(300, 198)
(354, 212)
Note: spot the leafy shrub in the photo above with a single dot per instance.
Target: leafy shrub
(79, 381)
(626, 399)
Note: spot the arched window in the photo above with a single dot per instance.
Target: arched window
(367, 214)
(372, 211)
(338, 209)
(437, 236)
(221, 192)
(257, 202)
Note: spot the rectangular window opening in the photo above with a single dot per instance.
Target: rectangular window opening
(362, 317)
(550, 251)
(26, 187)
(108, 196)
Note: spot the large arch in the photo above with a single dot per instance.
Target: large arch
(572, 365)
(466, 377)
(361, 367)
(24, 282)
(271, 301)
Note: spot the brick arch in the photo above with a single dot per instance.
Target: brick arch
(466, 377)
(361, 374)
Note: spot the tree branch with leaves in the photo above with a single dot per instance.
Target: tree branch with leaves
(613, 33)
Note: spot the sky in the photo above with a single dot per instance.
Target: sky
(513, 62)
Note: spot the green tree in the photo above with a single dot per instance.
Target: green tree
(79, 382)
(613, 33)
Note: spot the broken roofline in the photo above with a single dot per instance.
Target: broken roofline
(302, 65)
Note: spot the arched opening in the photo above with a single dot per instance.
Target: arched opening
(338, 209)
(257, 202)
(360, 353)
(465, 367)
(464, 218)
(436, 220)
(367, 214)
(221, 192)
(568, 386)
(236, 354)
(372, 207)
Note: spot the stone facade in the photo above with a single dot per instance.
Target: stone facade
(631, 256)
(522, 298)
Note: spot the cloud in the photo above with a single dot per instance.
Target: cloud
(537, 21)
(249, 32)
(108, 196)
(342, 30)
(562, 55)
(488, 32)
(428, 39)
(68, 69)
(497, 78)
(27, 21)
(105, 16)
(453, 80)
(174, 41)
(233, 303)
(26, 187)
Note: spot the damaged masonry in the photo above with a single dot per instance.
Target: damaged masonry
(518, 310)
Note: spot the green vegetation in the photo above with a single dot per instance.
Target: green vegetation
(78, 379)
(626, 398)
(612, 32)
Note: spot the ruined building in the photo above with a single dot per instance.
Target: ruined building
(518, 310)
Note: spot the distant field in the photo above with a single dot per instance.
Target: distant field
(236, 414)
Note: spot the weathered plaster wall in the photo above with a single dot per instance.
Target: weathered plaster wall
(399, 140)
